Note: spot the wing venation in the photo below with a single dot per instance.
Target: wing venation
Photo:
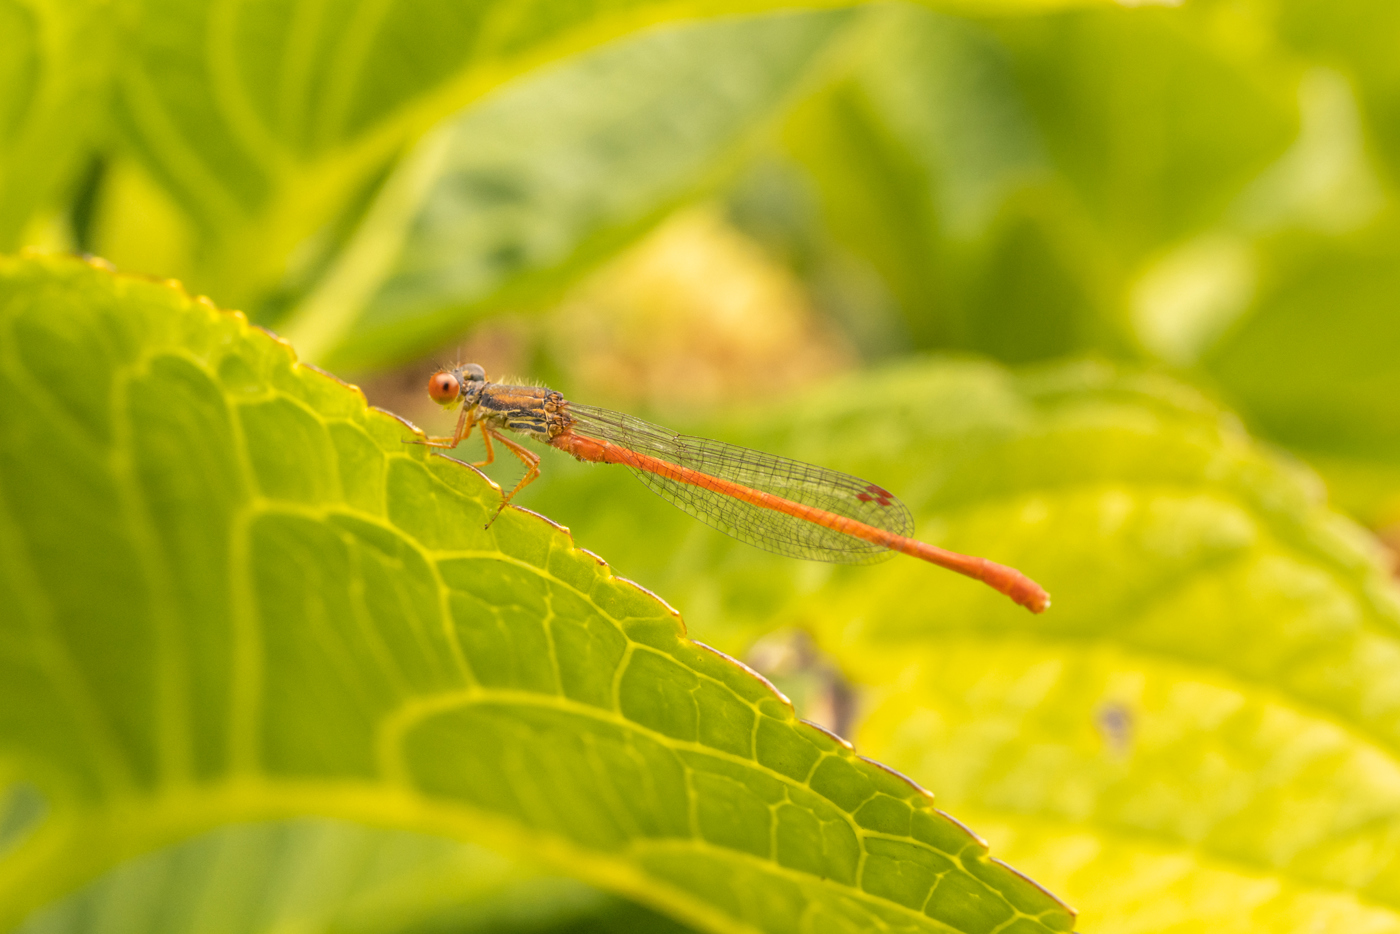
(807, 484)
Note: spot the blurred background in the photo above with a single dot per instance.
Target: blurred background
(1108, 291)
(705, 214)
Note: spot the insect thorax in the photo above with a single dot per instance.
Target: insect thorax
(531, 410)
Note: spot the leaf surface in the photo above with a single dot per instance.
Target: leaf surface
(241, 596)
(524, 188)
(1140, 183)
(1202, 731)
(1008, 178)
(329, 876)
(1354, 36)
(272, 122)
(1315, 366)
(54, 69)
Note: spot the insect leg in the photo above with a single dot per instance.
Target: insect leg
(465, 422)
(490, 451)
(529, 458)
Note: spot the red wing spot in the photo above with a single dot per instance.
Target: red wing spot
(864, 497)
(881, 496)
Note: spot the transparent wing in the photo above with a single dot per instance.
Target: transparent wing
(807, 484)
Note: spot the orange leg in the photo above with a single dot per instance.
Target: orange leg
(465, 422)
(490, 451)
(529, 458)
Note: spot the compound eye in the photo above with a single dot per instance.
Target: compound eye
(443, 387)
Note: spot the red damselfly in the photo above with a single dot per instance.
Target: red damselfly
(781, 505)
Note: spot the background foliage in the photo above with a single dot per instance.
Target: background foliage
(1105, 292)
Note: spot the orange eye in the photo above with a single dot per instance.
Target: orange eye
(443, 387)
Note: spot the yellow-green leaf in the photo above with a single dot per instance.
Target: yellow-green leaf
(331, 877)
(269, 122)
(1202, 732)
(552, 173)
(235, 593)
(54, 69)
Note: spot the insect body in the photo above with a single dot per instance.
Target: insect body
(772, 502)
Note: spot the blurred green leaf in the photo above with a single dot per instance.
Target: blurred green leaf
(536, 182)
(1358, 37)
(914, 157)
(54, 60)
(137, 227)
(1130, 182)
(1155, 122)
(1008, 178)
(1284, 310)
(268, 121)
(1316, 363)
(239, 596)
(271, 124)
(329, 877)
(1202, 731)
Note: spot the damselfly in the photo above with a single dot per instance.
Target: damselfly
(775, 503)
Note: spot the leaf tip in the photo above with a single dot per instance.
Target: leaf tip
(666, 606)
(548, 521)
(97, 262)
(915, 786)
(204, 301)
(747, 670)
(1073, 912)
(973, 835)
(461, 463)
(839, 740)
(276, 339)
(350, 386)
(401, 420)
(595, 557)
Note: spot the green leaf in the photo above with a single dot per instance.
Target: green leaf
(240, 596)
(1356, 37)
(270, 123)
(54, 60)
(1202, 733)
(914, 157)
(329, 876)
(1315, 364)
(1156, 123)
(1008, 178)
(552, 173)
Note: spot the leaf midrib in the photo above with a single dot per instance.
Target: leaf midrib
(255, 506)
(178, 812)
